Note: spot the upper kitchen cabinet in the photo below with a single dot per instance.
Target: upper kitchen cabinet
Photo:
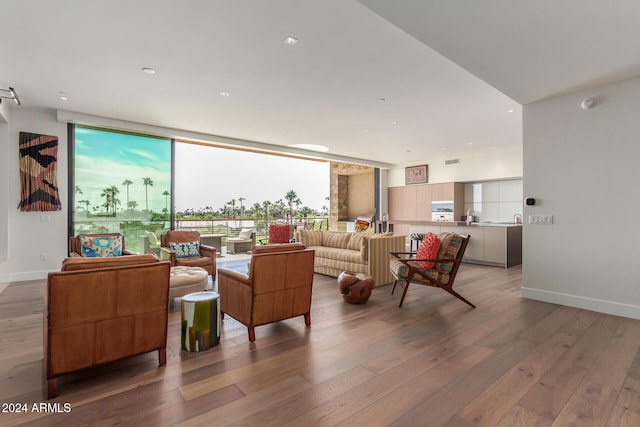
(414, 202)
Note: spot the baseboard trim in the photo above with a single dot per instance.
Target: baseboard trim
(28, 275)
(601, 306)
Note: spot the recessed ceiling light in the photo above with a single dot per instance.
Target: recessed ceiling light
(394, 122)
(224, 93)
(148, 70)
(291, 41)
(312, 147)
(471, 143)
(510, 110)
(64, 98)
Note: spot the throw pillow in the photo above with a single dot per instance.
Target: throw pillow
(310, 238)
(100, 246)
(279, 233)
(245, 233)
(186, 249)
(428, 250)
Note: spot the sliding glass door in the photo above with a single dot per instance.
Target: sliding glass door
(120, 182)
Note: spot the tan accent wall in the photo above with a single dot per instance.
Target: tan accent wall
(340, 191)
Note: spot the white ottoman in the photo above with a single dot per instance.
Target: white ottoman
(185, 280)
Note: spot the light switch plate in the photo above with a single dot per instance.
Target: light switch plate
(541, 219)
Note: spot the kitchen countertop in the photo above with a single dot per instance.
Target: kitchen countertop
(460, 223)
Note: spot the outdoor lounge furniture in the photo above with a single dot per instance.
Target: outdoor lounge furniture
(277, 287)
(98, 310)
(406, 266)
(185, 248)
(245, 241)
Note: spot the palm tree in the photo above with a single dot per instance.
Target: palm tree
(146, 182)
(114, 200)
(166, 195)
(107, 193)
(241, 199)
(266, 205)
(78, 190)
(127, 183)
(232, 202)
(291, 196)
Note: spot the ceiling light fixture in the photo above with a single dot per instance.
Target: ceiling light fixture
(311, 147)
(510, 110)
(224, 93)
(147, 70)
(394, 122)
(12, 96)
(291, 41)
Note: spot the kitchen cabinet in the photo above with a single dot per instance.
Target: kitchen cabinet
(498, 245)
(413, 202)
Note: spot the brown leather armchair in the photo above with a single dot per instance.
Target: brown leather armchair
(205, 258)
(277, 287)
(75, 244)
(102, 309)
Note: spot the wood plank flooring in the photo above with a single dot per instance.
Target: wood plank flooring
(433, 362)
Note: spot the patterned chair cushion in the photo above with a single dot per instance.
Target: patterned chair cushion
(100, 246)
(449, 246)
(186, 249)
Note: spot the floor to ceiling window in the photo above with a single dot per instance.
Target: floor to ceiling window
(121, 182)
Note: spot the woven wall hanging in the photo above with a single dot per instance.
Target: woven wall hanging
(38, 159)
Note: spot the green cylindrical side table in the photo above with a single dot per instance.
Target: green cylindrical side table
(200, 321)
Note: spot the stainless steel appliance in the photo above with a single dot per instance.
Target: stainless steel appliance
(442, 210)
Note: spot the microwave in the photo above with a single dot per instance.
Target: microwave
(442, 210)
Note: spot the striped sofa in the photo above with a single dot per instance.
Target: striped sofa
(336, 252)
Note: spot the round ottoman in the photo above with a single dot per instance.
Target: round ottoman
(185, 280)
(200, 321)
(355, 287)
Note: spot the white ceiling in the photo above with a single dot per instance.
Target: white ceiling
(352, 74)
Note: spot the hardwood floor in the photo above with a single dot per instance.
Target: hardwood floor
(433, 362)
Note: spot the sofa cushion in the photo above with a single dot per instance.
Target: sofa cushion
(428, 249)
(338, 254)
(100, 246)
(77, 263)
(356, 241)
(335, 239)
(310, 238)
(186, 249)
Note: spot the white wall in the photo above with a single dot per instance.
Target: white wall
(582, 168)
(31, 234)
(4, 193)
(498, 164)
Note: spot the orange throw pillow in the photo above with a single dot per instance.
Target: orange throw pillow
(428, 250)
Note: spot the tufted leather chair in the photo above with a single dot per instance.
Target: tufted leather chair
(205, 259)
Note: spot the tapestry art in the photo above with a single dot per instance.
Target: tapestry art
(38, 158)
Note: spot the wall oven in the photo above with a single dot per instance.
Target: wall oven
(442, 210)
